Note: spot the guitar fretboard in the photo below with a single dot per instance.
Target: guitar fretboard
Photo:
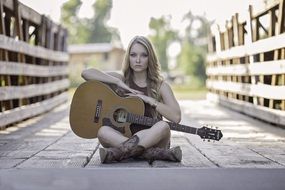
(143, 120)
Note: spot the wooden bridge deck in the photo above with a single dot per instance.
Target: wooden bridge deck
(47, 142)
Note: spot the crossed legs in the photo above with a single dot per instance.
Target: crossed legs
(156, 136)
(150, 144)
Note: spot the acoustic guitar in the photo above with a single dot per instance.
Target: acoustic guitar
(95, 104)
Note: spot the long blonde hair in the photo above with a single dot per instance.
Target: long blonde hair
(154, 78)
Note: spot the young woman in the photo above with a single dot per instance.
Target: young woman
(140, 78)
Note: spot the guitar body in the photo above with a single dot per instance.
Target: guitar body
(95, 104)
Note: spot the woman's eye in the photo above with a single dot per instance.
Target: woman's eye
(144, 55)
(132, 54)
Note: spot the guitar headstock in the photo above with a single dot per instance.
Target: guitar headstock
(210, 133)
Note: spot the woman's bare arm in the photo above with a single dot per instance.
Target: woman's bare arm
(95, 74)
(110, 77)
(169, 108)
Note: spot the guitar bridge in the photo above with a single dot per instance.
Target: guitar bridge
(98, 111)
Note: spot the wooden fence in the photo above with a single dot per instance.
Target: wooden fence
(33, 63)
(246, 64)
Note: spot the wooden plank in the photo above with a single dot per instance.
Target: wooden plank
(11, 44)
(21, 80)
(5, 79)
(260, 90)
(26, 12)
(15, 68)
(256, 68)
(17, 92)
(191, 157)
(270, 115)
(281, 17)
(27, 111)
(228, 154)
(264, 45)
(128, 163)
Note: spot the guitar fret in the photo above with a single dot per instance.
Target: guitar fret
(149, 122)
(143, 120)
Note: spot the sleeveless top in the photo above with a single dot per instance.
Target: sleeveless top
(136, 127)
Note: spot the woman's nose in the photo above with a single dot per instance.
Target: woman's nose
(138, 59)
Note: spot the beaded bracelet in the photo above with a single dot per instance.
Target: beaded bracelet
(154, 105)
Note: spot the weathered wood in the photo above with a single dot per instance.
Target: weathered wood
(20, 113)
(264, 45)
(15, 68)
(251, 71)
(267, 114)
(16, 92)
(27, 66)
(47, 142)
(26, 12)
(11, 44)
(261, 90)
(256, 68)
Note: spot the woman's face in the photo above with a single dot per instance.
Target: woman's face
(138, 57)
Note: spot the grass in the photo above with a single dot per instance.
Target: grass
(184, 92)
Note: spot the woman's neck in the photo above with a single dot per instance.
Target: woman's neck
(140, 78)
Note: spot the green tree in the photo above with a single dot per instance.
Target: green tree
(163, 36)
(77, 28)
(191, 59)
(92, 30)
(99, 31)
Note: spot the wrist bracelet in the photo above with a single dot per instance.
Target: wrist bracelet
(155, 104)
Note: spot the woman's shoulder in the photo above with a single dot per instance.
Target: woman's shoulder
(164, 86)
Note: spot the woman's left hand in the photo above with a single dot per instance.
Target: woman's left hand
(146, 99)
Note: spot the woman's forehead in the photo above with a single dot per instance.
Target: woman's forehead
(138, 47)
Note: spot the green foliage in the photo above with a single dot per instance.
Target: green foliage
(161, 39)
(77, 29)
(191, 60)
(93, 30)
(100, 32)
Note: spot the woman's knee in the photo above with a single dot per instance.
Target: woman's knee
(163, 127)
(103, 132)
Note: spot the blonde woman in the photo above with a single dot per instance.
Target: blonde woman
(141, 77)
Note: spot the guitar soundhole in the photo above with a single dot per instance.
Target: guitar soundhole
(120, 115)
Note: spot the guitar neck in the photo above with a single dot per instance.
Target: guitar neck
(147, 121)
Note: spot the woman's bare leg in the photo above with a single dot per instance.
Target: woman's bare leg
(156, 136)
(109, 137)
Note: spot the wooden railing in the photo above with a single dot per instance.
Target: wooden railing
(33, 63)
(246, 64)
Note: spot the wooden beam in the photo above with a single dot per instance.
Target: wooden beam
(260, 89)
(27, 111)
(11, 44)
(257, 68)
(263, 113)
(18, 92)
(264, 45)
(15, 68)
